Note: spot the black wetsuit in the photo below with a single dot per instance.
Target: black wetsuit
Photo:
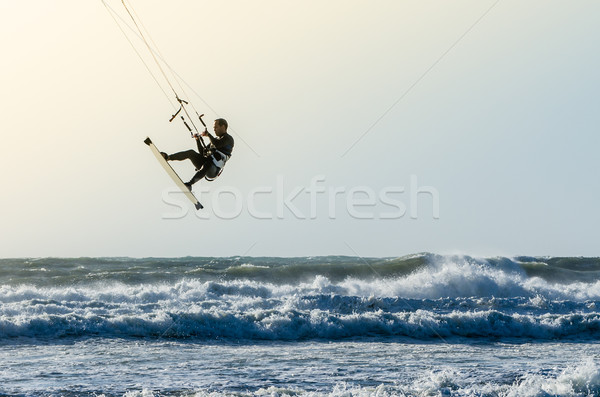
(224, 144)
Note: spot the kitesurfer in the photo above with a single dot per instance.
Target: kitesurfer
(209, 161)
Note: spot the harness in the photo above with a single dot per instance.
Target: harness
(217, 165)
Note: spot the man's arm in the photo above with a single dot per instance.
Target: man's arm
(224, 144)
(199, 143)
(213, 139)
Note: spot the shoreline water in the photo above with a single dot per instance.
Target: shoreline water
(345, 368)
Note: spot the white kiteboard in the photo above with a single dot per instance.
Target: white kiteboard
(173, 174)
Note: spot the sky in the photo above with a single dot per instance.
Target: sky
(362, 128)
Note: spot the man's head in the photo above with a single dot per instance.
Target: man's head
(220, 127)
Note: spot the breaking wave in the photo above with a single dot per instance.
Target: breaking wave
(421, 296)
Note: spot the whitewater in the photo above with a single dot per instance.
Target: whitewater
(419, 325)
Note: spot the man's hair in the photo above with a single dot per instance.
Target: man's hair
(222, 122)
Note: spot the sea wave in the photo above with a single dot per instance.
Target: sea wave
(251, 310)
(422, 296)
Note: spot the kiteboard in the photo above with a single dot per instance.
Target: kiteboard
(173, 174)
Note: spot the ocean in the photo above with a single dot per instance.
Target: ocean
(419, 325)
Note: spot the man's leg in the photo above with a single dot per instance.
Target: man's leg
(195, 157)
(201, 171)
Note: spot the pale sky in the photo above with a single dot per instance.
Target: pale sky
(490, 105)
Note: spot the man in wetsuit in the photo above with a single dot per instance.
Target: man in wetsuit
(220, 146)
